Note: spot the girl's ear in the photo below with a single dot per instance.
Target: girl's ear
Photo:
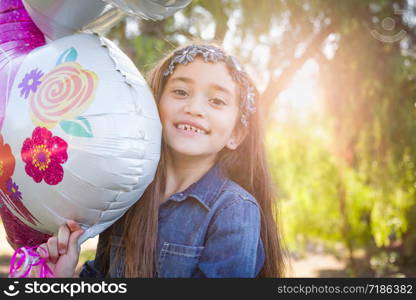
(238, 136)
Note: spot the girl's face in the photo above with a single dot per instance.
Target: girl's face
(199, 109)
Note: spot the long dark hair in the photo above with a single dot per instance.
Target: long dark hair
(247, 165)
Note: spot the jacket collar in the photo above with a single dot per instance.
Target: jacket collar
(205, 189)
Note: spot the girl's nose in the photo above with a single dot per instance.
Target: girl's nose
(195, 107)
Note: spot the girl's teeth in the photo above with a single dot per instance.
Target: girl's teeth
(189, 127)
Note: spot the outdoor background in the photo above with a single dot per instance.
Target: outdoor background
(338, 94)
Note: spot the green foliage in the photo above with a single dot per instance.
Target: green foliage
(307, 180)
(148, 51)
(310, 183)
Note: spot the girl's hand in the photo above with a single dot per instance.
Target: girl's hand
(62, 251)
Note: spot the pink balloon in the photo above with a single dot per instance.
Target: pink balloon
(6, 5)
(18, 233)
(18, 36)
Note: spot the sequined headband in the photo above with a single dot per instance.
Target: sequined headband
(214, 54)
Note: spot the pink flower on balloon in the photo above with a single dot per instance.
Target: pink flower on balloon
(64, 93)
(43, 155)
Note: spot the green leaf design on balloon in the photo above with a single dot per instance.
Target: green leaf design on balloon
(79, 127)
(69, 55)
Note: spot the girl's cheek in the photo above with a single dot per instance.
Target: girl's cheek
(163, 110)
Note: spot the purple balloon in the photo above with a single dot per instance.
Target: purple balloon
(18, 36)
(8, 5)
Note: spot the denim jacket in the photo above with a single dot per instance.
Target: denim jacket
(211, 229)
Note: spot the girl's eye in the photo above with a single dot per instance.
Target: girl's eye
(218, 101)
(180, 92)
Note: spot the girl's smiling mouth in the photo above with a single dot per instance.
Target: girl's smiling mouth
(191, 128)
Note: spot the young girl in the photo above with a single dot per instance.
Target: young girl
(210, 210)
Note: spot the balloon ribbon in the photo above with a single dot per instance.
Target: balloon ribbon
(23, 261)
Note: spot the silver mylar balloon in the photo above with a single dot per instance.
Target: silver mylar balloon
(59, 18)
(150, 9)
